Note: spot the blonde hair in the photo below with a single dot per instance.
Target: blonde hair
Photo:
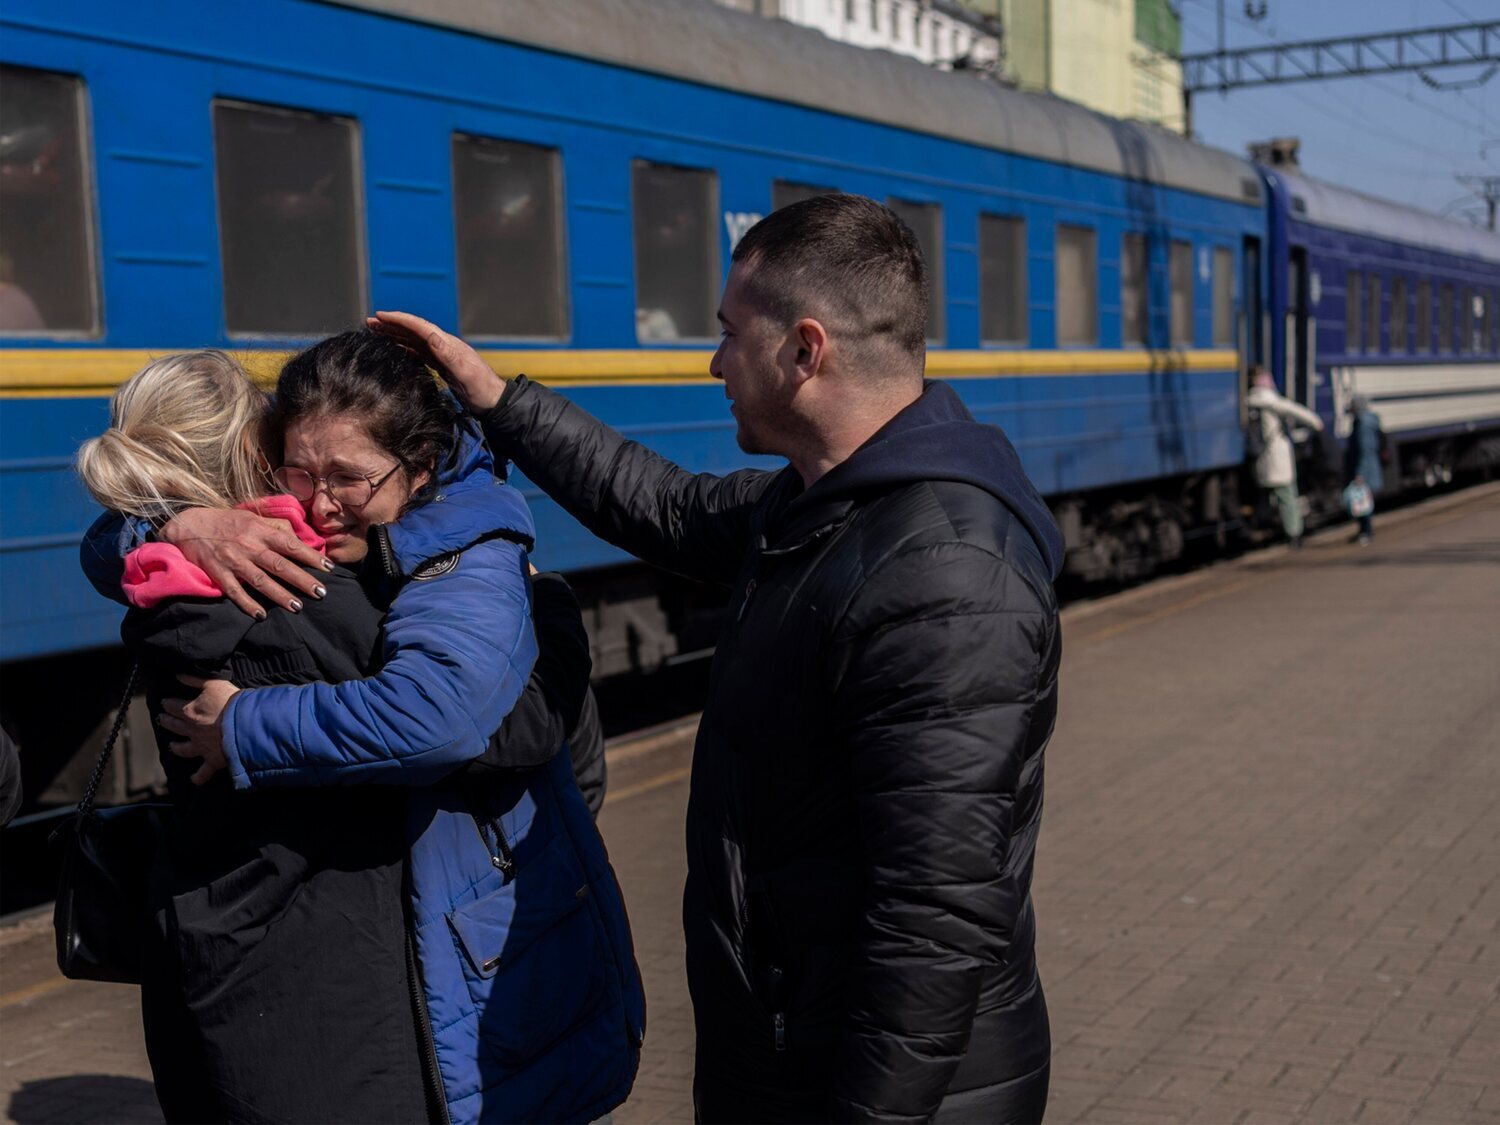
(183, 433)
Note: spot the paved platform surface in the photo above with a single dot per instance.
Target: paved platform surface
(1268, 883)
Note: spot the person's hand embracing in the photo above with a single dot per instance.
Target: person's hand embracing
(200, 724)
(472, 380)
(239, 549)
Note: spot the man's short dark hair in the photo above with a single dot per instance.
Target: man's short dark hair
(845, 259)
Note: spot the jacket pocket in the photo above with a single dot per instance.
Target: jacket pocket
(533, 961)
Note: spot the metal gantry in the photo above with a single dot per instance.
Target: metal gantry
(1314, 59)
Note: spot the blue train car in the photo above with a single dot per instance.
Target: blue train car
(1399, 306)
(567, 190)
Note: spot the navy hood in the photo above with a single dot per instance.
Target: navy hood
(936, 438)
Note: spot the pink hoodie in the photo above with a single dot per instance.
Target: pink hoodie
(158, 571)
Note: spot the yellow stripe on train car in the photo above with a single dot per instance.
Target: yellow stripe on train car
(96, 372)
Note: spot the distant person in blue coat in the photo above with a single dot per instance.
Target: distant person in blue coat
(1362, 460)
(530, 1005)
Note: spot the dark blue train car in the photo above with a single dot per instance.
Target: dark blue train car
(1399, 306)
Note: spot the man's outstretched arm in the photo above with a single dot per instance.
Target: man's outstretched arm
(695, 524)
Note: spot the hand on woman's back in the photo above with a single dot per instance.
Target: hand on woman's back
(239, 549)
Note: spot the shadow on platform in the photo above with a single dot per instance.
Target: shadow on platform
(83, 1098)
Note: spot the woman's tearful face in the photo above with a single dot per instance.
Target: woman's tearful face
(346, 481)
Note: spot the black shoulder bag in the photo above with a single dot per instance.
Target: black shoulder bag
(101, 916)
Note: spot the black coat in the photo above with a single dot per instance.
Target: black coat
(558, 707)
(271, 898)
(867, 782)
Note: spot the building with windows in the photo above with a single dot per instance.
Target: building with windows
(941, 33)
(1116, 56)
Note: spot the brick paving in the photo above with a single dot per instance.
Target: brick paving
(69, 1052)
(1269, 877)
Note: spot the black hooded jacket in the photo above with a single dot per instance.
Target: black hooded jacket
(867, 782)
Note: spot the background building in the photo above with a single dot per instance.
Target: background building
(938, 32)
(1116, 56)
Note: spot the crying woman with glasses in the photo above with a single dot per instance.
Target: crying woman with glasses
(385, 898)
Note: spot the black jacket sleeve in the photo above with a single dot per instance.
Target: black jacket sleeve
(586, 745)
(940, 663)
(697, 525)
(549, 708)
(11, 795)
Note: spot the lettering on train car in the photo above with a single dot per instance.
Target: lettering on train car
(738, 222)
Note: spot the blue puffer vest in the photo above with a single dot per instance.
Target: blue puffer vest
(532, 994)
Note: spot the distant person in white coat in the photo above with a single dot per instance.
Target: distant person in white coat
(1276, 464)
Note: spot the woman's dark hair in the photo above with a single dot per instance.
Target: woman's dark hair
(378, 381)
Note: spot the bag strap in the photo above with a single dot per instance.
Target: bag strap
(87, 801)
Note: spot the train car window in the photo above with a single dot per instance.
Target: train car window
(1077, 297)
(49, 282)
(1399, 341)
(1466, 321)
(507, 222)
(1445, 318)
(786, 192)
(1002, 280)
(1372, 320)
(926, 222)
(1134, 319)
(1181, 272)
(289, 220)
(676, 252)
(1223, 298)
(1494, 305)
(1353, 307)
(1424, 315)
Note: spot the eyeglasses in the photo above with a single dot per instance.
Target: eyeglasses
(348, 489)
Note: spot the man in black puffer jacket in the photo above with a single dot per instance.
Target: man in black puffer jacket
(867, 783)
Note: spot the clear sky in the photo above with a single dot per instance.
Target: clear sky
(1392, 135)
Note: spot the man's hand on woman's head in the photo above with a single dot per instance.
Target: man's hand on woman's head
(239, 549)
(200, 722)
(472, 380)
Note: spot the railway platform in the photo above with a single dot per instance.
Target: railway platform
(1268, 884)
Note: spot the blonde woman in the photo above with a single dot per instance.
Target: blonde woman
(289, 904)
(331, 747)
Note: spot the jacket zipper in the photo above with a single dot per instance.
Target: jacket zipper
(432, 1077)
(744, 605)
(501, 857)
(387, 555)
(776, 986)
(503, 860)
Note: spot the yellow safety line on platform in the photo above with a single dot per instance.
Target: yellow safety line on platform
(31, 992)
(1111, 631)
(647, 786)
(94, 372)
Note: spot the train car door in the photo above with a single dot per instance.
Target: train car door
(1255, 328)
(1301, 330)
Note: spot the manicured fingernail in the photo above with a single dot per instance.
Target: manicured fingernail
(327, 564)
(294, 605)
(260, 615)
(320, 591)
